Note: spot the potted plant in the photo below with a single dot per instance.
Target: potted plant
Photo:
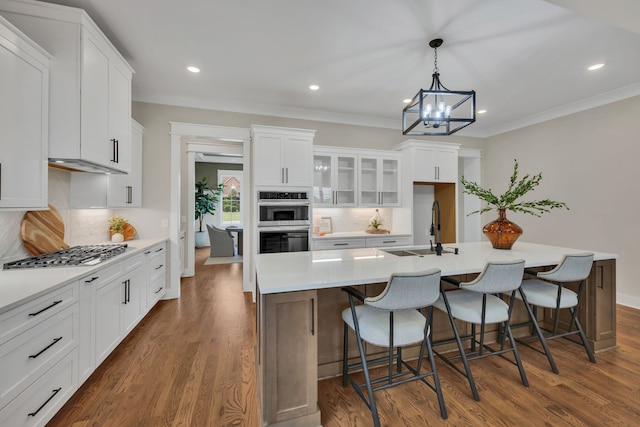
(207, 199)
(117, 225)
(503, 233)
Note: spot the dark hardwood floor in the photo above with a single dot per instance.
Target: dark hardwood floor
(190, 362)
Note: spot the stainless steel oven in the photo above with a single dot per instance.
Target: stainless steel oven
(283, 239)
(283, 221)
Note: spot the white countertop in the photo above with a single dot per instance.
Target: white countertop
(355, 234)
(298, 271)
(24, 284)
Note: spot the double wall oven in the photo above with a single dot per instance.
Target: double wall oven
(283, 221)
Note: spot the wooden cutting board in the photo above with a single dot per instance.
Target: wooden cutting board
(129, 232)
(43, 231)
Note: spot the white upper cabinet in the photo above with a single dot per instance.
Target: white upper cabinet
(282, 156)
(24, 94)
(379, 180)
(93, 190)
(90, 86)
(334, 178)
(431, 161)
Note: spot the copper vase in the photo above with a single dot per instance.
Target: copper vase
(502, 233)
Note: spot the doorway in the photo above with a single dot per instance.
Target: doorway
(187, 139)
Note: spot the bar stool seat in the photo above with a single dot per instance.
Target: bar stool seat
(393, 319)
(547, 290)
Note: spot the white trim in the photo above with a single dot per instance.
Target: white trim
(187, 132)
(357, 120)
(628, 300)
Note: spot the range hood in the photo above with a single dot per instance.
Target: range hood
(79, 165)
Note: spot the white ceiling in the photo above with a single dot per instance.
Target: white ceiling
(526, 59)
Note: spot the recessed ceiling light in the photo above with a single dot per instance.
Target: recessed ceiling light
(481, 111)
(193, 69)
(595, 67)
(314, 87)
(406, 101)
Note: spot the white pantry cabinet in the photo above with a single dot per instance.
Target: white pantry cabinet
(334, 178)
(282, 156)
(431, 161)
(90, 86)
(90, 190)
(24, 117)
(379, 180)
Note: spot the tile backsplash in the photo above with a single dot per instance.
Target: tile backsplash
(352, 219)
(82, 226)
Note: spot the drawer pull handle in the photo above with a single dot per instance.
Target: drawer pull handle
(158, 291)
(55, 340)
(147, 253)
(46, 308)
(33, 414)
(158, 250)
(159, 267)
(389, 241)
(92, 279)
(340, 244)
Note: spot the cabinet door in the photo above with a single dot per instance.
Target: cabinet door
(390, 182)
(132, 304)
(290, 351)
(108, 328)
(297, 157)
(95, 144)
(323, 192)
(268, 168)
(344, 177)
(119, 116)
(447, 165)
(24, 116)
(369, 194)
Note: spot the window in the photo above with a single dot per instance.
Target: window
(230, 201)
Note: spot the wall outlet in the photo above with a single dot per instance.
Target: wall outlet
(164, 223)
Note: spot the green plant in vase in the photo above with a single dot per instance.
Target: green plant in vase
(206, 202)
(503, 233)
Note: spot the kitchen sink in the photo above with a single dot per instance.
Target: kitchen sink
(417, 252)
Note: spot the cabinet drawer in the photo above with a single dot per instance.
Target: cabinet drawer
(29, 354)
(103, 276)
(339, 244)
(133, 262)
(157, 262)
(378, 242)
(33, 312)
(42, 399)
(155, 290)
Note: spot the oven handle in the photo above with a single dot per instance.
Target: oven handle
(296, 202)
(284, 228)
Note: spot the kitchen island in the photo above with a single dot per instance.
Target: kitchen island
(299, 336)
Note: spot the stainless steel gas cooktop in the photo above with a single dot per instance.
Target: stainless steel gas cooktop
(75, 256)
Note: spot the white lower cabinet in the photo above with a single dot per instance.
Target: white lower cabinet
(50, 345)
(380, 242)
(39, 357)
(43, 398)
(156, 270)
(338, 244)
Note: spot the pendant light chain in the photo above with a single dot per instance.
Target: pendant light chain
(435, 61)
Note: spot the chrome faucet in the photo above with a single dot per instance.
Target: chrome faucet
(435, 226)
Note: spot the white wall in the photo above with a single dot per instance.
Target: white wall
(588, 160)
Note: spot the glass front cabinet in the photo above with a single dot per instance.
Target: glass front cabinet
(334, 179)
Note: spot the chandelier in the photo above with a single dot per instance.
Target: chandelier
(440, 110)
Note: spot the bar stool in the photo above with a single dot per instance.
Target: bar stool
(540, 292)
(480, 302)
(393, 319)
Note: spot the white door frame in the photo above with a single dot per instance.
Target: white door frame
(186, 140)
